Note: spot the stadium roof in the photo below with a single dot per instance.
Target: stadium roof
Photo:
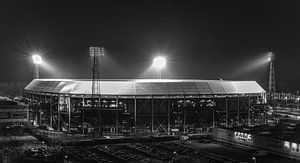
(145, 87)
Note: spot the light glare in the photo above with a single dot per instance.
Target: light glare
(159, 62)
(36, 59)
(270, 56)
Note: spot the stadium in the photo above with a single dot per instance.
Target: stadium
(144, 106)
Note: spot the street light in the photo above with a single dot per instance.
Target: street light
(298, 99)
(254, 159)
(286, 100)
(37, 60)
(106, 147)
(159, 63)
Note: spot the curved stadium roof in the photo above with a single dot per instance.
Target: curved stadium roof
(145, 87)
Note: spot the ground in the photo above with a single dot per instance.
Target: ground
(29, 149)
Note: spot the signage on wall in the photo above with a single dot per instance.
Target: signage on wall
(243, 136)
(290, 146)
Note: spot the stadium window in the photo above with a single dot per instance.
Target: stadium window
(294, 147)
(287, 145)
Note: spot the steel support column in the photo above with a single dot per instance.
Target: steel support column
(169, 116)
(69, 111)
(58, 114)
(213, 110)
(51, 114)
(184, 120)
(117, 119)
(99, 114)
(117, 122)
(82, 111)
(238, 110)
(152, 115)
(249, 118)
(135, 114)
(226, 112)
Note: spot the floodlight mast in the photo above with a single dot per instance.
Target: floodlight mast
(36, 71)
(96, 53)
(271, 73)
(271, 88)
(37, 60)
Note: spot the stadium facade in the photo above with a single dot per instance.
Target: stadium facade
(144, 105)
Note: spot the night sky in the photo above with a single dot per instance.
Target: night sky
(201, 39)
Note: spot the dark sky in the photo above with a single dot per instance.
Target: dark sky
(201, 39)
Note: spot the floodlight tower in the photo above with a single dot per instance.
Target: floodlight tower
(96, 53)
(271, 59)
(159, 63)
(37, 60)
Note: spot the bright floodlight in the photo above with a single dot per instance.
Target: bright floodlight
(270, 56)
(37, 59)
(159, 62)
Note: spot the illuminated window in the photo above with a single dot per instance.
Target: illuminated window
(294, 147)
(287, 145)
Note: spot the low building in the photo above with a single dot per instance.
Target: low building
(278, 139)
(13, 112)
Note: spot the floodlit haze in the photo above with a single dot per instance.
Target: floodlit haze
(201, 39)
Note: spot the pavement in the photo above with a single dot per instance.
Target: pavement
(17, 138)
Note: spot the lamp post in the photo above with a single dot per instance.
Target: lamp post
(298, 99)
(286, 100)
(41, 114)
(106, 147)
(37, 60)
(159, 63)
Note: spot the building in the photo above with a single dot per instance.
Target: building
(279, 139)
(12, 112)
(144, 106)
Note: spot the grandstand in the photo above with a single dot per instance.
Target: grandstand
(144, 106)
